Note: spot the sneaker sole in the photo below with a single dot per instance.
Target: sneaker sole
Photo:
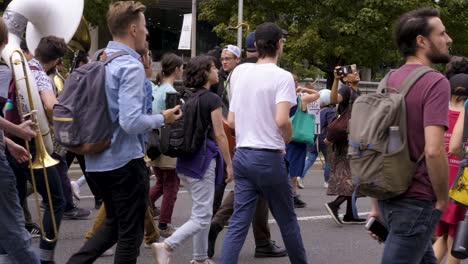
(353, 223)
(330, 212)
(270, 255)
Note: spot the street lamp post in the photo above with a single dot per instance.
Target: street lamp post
(240, 22)
(194, 29)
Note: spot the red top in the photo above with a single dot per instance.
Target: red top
(453, 213)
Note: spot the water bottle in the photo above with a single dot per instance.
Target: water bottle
(394, 139)
(460, 243)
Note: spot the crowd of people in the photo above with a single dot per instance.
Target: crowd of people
(245, 106)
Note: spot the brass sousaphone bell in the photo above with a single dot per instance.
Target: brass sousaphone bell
(37, 19)
(81, 42)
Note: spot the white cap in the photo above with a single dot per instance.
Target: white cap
(234, 50)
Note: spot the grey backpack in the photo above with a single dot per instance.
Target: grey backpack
(375, 172)
(81, 118)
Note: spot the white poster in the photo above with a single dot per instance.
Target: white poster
(314, 109)
(186, 33)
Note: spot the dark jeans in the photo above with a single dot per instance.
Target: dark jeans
(167, 185)
(14, 239)
(218, 196)
(62, 169)
(261, 231)
(262, 173)
(22, 174)
(125, 195)
(92, 186)
(410, 224)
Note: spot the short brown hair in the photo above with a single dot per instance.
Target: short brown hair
(50, 48)
(121, 14)
(3, 32)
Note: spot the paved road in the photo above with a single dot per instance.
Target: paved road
(324, 241)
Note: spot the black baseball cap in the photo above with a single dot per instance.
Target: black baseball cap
(457, 81)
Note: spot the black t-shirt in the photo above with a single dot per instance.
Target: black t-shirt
(208, 103)
(349, 96)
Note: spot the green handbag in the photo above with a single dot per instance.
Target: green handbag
(303, 125)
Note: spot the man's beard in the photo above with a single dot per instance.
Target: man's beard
(436, 57)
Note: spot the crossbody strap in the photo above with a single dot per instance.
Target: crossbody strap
(465, 130)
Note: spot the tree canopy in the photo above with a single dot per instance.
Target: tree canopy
(325, 33)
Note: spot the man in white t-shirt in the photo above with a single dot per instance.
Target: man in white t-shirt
(262, 95)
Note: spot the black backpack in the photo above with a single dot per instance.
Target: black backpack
(81, 118)
(186, 135)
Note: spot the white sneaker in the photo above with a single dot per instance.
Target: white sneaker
(207, 261)
(108, 253)
(161, 254)
(300, 183)
(75, 190)
(325, 185)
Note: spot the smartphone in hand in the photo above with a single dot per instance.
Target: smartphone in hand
(374, 226)
(172, 99)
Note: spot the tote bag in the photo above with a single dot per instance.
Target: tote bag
(303, 125)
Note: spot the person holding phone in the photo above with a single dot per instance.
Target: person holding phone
(340, 183)
(167, 182)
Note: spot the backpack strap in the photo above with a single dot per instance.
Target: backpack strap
(465, 128)
(411, 79)
(98, 55)
(406, 86)
(383, 82)
(115, 55)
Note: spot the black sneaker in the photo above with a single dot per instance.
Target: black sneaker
(333, 211)
(298, 203)
(33, 229)
(270, 250)
(353, 221)
(76, 213)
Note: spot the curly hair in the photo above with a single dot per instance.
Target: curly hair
(457, 64)
(197, 70)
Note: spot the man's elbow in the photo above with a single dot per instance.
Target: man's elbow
(283, 123)
(434, 152)
(129, 127)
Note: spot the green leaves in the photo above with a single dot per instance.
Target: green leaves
(329, 32)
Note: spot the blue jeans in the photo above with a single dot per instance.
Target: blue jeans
(258, 172)
(15, 240)
(410, 224)
(312, 157)
(202, 192)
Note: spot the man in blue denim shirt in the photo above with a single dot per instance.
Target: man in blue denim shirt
(120, 171)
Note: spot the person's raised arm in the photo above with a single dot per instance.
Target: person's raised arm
(335, 97)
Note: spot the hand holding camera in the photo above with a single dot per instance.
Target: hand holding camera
(342, 71)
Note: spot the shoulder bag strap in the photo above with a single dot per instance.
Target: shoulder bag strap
(412, 78)
(465, 128)
(383, 82)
